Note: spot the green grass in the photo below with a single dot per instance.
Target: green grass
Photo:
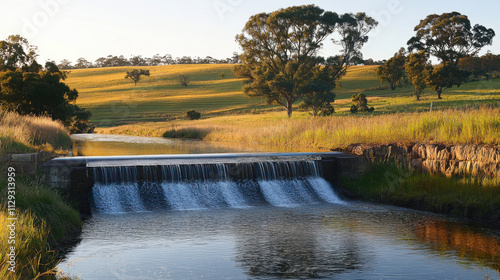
(389, 183)
(43, 218)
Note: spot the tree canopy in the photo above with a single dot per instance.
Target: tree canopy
(280, 51)
(450, 37)
(135, 75)
(416, 68)
(28, 88)
(393, 69)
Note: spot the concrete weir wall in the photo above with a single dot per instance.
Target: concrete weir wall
(75, 174)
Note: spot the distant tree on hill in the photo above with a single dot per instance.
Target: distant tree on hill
(490, 63)
(83, 63)
(193, 115)
(473, 65)
(393, 70)
(360, 103)
(184, 80)
(65, 64)
(138, 60)
(444, 76)
(280, 51)
(135, 75)
(417, 70)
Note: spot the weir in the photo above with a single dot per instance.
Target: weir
(184, 182)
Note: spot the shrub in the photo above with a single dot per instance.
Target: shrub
(360, 104)
(193, 115)
(222, 75)
(184, 80)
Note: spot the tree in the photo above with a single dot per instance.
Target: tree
(28, 88)
(490, 63)
(321, 93)
(444, 76)
(280, 51)
(16, 52)
(450, 37)
(43, 93)
(416, 68)
(193, 115)
(65, 64)
(138, 60)
(184, 80)
(135, 75)
(392, 71)
(360, 103)
(473, 65)
(83, 63)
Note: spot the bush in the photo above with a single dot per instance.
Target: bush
(193, 115)
(184, 80)
(222, 75)
(360, 104)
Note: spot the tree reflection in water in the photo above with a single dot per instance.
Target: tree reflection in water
(291, 248)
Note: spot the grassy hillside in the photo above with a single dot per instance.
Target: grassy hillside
(115, 100)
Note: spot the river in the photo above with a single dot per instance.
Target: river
(306, 239)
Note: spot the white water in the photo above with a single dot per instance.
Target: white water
(117, 198)
(126, 197)
(191, 187)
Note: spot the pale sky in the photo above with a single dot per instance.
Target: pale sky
(69, 29)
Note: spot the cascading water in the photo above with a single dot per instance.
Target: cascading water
(199, 186)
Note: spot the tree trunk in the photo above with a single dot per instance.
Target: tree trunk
(439, 94)
(289, 107)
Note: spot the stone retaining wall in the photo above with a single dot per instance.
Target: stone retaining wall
(451, 160)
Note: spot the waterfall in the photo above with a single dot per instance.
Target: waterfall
(199, 186)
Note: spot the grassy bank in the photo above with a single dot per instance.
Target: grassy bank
(20, 134)
(454, 126)
(388, 183)
(43, 220)
(43, 217)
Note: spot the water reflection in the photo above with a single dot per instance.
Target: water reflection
(465, 242)
(116, 145)
(356, 241)
(291, 248)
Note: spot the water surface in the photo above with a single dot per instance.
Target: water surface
(332, 241)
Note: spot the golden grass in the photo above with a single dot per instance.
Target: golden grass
(453, 126)
(24, 133)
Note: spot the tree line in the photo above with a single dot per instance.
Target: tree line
(138, 60)
(451, 38)
(280, 61)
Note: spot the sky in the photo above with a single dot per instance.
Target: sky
(70, 29)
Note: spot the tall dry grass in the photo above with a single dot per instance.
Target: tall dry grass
(463, 126)
(25, 133)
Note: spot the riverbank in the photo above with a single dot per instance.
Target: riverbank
(476, 125)
(43, 217)
(466, 197)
